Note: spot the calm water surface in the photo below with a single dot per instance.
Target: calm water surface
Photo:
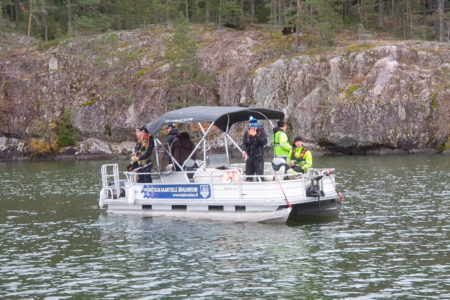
(390, 241)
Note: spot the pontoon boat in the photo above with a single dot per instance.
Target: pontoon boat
(216, 189)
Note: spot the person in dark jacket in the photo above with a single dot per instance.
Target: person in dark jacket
(253, 145)
(181, 148)
(172, 133)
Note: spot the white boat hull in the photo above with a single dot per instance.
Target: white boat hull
(279, 216)
(213, 199)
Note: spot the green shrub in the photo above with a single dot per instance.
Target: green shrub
(67, 135)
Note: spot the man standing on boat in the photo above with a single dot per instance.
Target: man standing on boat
(253, 145)
(280, 141)
(299, 158)
(144, 155)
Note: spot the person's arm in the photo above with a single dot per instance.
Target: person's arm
(284, 142)
(288, 158)
(308, 161)
(261, 138)
(246, 142)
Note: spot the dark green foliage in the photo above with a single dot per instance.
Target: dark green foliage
(320, 19)
(231, 14)
(66, 134)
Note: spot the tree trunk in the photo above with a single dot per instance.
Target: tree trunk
(220, 15)
(361, 21)
(195, 14)
(44, 15)
(167, 13)
(441, 19)
(187, 9)
(344, 10)
(381, 13)
(280, 15)
(297, 25)
(252, 10)
(423, 11)
(272, 13)
(408, 20)
(207, 12)
(29, 25)
(242, 9)
(16, 9)
(69, 17)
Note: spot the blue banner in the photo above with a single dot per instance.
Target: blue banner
(177, 191)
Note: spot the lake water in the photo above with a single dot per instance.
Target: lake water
(390, 241)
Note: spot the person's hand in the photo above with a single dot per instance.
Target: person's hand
(291, 163)
(252, 131)
(244, 154)
(135, 158)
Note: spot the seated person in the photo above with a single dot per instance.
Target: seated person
(181, 148)
(299, 158)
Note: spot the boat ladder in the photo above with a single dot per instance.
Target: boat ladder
(110, 181)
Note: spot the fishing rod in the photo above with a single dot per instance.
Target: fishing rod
(282, 190)
(328, 173)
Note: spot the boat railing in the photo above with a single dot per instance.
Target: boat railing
(221, 176)
(110, 176)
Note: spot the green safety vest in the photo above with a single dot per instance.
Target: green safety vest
(301, 157)
(280, 143)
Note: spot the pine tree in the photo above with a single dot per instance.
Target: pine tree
(66, 135)
(185, 78)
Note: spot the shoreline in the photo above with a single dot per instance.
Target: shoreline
(20, 157)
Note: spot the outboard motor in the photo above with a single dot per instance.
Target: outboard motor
(314, 189)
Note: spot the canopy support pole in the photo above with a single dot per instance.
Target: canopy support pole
(225, 139)
(155, 144)
(168, 153)
(233, 142)
(205, 133)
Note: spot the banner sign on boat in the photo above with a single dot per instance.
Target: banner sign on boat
(176, 191)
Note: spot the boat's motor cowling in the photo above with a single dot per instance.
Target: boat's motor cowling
(279, 165)
(191, 166)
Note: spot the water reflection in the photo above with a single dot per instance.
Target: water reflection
(391, 240)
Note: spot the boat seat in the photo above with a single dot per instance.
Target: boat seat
(217, 161)
(204, 175)
(268, 170)
(175, 177)
(218, 175)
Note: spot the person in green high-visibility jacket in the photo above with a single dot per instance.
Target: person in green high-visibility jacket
(280, 141)
(299, 158)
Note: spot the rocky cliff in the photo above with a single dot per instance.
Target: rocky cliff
(368, 96)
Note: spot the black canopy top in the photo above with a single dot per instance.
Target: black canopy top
(222, 116)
